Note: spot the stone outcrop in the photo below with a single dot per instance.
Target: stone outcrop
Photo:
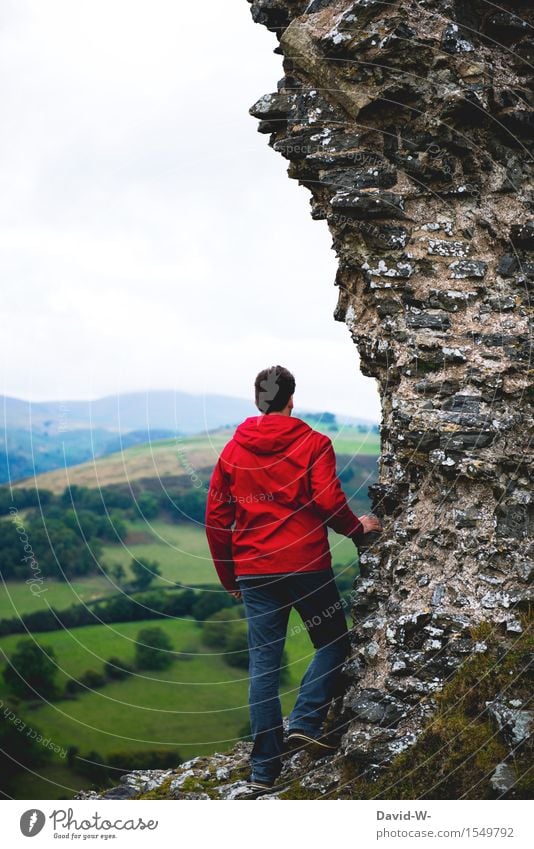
(411, 125)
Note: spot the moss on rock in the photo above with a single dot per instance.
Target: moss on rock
(460, 747)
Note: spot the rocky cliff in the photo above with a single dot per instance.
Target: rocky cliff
(411, 125)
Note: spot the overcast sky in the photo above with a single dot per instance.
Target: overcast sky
(149, 237)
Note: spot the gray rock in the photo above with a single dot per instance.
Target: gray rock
(376, 204)
(272, 106)
(438, 594)
(441, 247)
(378, 708)
(347, 179)
(504, 778)
(522, 235)
(468, 268)
(317, 6)
(453, 41)
(514, 725)
(432, 321)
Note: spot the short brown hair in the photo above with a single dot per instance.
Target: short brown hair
(274, 387)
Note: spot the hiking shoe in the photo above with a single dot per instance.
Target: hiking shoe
(255, 789)
(325, 744)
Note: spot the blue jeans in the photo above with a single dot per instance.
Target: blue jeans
(268, 601)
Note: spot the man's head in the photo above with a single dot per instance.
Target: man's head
(274, 388)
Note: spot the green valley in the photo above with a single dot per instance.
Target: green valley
(99, 558)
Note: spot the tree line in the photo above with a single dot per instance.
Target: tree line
(63, 535)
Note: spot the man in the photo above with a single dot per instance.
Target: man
(272, 496)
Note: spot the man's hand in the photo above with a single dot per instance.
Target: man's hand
(370, 523)
(236, 594)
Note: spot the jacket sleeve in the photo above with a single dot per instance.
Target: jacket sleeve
(328, 496)
(220, 515)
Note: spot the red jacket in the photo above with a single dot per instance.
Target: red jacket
(276, 480)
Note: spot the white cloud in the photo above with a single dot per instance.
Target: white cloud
(148, 235)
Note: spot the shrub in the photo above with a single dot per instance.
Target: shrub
(144, 572)
(18, 750)
(92, 679)
(227, 632)
(153, 649)
(32, 671)
(217, 630)
(102, 770)
(209, 603)
(117, 669)
(147, 505)
(237, 648)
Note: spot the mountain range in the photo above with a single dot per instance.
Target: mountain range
(39, 436)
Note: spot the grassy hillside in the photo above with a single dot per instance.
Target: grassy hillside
(179, 457)
(197, 706)
(37, 437)
(16, 598)
(182, 552)
(25, 453)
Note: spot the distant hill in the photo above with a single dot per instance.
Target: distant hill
(177, 412)
(38, 437)
(184, 460)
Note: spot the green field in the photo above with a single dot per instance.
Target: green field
(198, 705)
(17, 600)
(180, 550)
(183, 554)
(352, 442)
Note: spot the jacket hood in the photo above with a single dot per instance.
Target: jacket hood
(271, 434)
